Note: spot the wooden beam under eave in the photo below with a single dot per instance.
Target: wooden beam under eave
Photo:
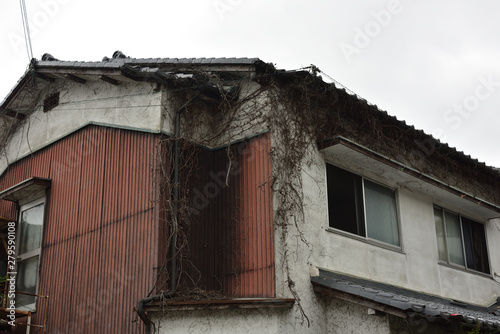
(45, 77)
(75, 78)
(110, 80)
(14, 114)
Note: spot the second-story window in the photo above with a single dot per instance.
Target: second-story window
(461, 241)
(361, 207)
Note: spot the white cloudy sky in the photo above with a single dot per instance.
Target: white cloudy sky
(434, 64)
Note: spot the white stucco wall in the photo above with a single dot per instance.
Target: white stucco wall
(343, 317)
(415, 266)
(229, 321)
(136, 106)
(129, 105)
(208, 124)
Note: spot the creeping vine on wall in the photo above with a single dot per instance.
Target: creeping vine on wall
(300, 110)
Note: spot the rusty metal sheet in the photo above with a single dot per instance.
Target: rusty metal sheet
(101, 230)
(231, 236)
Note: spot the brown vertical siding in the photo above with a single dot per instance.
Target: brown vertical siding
(100, 241)
(231, 238)
(8, 210)
(256, 276)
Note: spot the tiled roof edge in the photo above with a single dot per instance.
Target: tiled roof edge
(405, 299)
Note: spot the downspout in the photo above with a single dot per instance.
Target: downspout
(173, 246)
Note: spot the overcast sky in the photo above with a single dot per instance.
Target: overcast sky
(434, 64)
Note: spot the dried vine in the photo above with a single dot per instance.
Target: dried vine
(265, 108)
(299, 110)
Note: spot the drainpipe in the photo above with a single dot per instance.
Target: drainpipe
(173, 246)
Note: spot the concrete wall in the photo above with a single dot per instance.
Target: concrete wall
(343, 317)
(415, 266)
(251, 321)
(129, 105)
(135, 106)
(212, 123)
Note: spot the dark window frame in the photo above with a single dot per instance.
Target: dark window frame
(355, 222)
(475, 257)
(50, 102)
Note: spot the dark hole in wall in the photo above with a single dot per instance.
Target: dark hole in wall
(51, 102)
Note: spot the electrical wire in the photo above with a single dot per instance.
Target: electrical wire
(27, 31)
(26, 28)
(337, 84)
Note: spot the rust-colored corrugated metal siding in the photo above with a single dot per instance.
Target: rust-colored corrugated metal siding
(101, 230)
(256, 276)
(231, 235)
(8, 210)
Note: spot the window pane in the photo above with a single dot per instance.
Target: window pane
(345, 200)
(381, 214)
(31, 229)
(27, 273)
(438, 219)
(454, 238)
(475, 246)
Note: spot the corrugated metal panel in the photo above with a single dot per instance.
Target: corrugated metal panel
(101, 230)
(256, 275)
(8, 210)
(231, 239)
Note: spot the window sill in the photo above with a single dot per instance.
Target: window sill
(237, 303)
(460, 268)
(373, 242)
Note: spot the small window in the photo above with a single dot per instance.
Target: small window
(461, 241)
(361, 207)
(51, 102)
(29, 243)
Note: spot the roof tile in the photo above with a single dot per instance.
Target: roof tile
(404, 299)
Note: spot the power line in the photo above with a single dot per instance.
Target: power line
(26, 28)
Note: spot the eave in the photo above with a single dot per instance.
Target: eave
(112, 71)
(401, 302)
(340, 149)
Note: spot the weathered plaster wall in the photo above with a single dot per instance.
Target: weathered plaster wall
(251, 321)
(382, 133)
(214, 124)
(415, 266)
(344, 317)
(129, 105)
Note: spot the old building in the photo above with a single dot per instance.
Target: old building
(222, 195)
